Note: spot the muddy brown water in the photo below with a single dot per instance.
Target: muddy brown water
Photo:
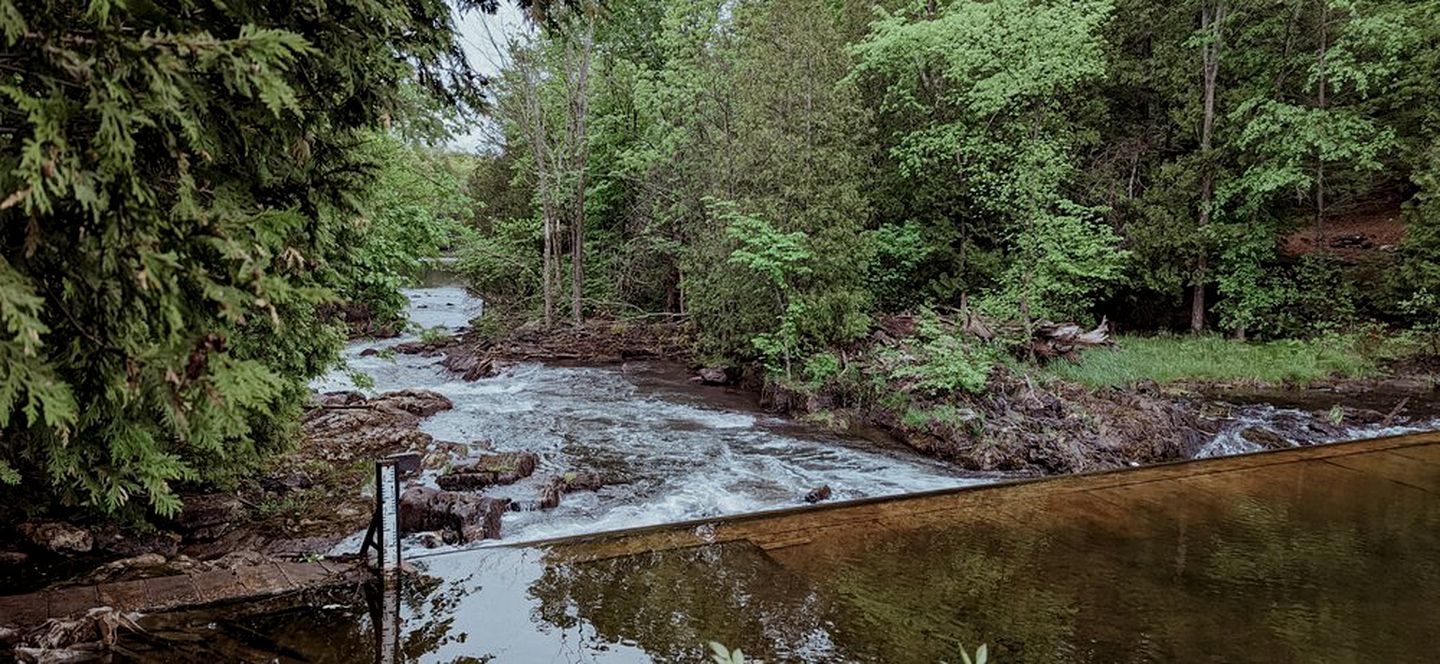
(1326, 554)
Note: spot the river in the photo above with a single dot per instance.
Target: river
(671, 450)
(668, 449)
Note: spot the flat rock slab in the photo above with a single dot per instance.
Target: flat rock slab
(182, 591)
(489, 470)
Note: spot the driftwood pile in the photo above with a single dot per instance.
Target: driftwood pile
(1046, 340)
(1051, 340)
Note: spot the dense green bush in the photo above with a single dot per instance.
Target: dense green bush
(178, 184)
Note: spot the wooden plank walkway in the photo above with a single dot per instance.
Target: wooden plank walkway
(175, 592)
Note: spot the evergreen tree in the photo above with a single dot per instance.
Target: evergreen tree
(176, 181)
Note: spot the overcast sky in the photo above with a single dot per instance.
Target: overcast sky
(476, 31)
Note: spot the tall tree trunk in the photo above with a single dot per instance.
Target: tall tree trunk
(580, 110)
(1211, 18)
(1321, 102)
(539, 145)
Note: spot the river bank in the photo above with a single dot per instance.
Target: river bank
(1017, 416)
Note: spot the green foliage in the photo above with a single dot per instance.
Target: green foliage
(410, 211)
(821, 368)
(778, 259)
(938, 361)
(901, 251)
(1067, 260)
(1166, 359)
(1031, 159)
(435, 335)
(722, 655)
(956, 418)
(504, 263)
(1416, 281)
(997, 125)
(176, 187)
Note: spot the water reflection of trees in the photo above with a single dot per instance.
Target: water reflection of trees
(920, 596)
(1328, 589)
(671, 603)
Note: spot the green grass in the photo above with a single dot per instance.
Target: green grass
(1167, 359)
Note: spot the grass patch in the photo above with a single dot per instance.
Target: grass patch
(1166, 359)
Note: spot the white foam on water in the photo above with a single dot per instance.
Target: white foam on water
(665, 457)
(1296, 428)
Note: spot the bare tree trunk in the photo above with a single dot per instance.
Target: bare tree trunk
(1211, 18)
(580, 110)
(1321, 101)
(539, 145)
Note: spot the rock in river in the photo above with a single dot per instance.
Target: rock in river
(474, 517)
(1265, 438)
(488, 470)
(345, 428)
(569, 482)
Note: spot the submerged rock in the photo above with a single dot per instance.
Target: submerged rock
(473, 516)
(12, 558)
(489, 470)
(432, 539)
(1265, 438)
(818, 494)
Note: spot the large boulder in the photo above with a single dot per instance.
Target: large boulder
(463, 360)
(474, 517)
(344, 429)
(422, 403)
(489, 470)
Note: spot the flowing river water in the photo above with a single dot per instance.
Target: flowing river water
(669, 450)
(1318, 560)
